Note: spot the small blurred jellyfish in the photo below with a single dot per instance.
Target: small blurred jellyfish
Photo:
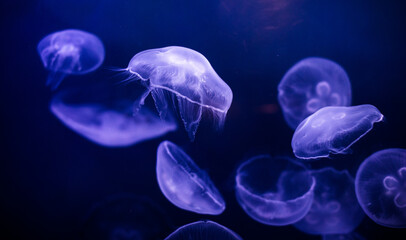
(109, 126)
(182, 75)
(380, 186)
(335, 209)
(125, 217)
(274, 191)
(311, 84)
(333, 130)
(203, 230)
(184, 184)
(349, 236)
(70, 51)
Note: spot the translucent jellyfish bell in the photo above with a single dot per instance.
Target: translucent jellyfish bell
(380, 186)
(274, 191)
(184, 184)
(335, 209)
(333, 130)
(70, 51)
(185, 75)
(311, 84)
(107, 125)
(203, 230)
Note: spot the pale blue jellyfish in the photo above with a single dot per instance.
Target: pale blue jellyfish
(335, 209)
(184, 184)
(203, 230)
(70, 51)
(110, 126)
(178, 75)
(274, 191)
(125, 217)
(333, 130)
(380, 186)
(311, 84)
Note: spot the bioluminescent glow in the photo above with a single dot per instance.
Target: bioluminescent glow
(182, 75)
(70, 52)
(380, 186)
(110, 127)
(184, 184)
(311, 84)
(203, 230)
(274, 191)
(335, 209)
(333, 130)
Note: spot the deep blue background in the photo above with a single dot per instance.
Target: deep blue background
(51, 177)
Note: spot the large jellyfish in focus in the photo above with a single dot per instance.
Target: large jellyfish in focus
(333, 130)
(184, 184)
(274, 191)
(380, 186)
(70, 52)
(335, 209)
(182, 75)
(311, 84)
(110, 126)
(125, 216)
(203, 230)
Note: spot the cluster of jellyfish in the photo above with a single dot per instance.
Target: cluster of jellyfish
(315, 97)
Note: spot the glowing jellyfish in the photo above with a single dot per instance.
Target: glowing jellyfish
(125, 216)
(311, 84)
(184, 184)
(70, 52)
(274, 191)
(333, 130)
(203, 230)
(335, 209)
(182, 75)
(380, 186)
(110, 126)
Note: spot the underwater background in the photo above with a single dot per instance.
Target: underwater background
(52, 178)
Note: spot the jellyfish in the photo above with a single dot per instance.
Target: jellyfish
(184, 184)
(380, 185)
(203, 230)
(333, 130)
(182, 75)
(274, 191)
(109, 126)
(70, 51)
(311, 84)
(335, 209)
(125, 216)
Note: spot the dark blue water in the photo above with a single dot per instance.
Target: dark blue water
(51, 177)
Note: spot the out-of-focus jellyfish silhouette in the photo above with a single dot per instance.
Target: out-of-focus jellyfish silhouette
(203, 230)
(349, 236)
(311, 84)
(110, 126)
(178, 74)
(123, 217)
(70, 51)
(335, 209)
(274, 191)
(184, 184)
(333, 130)
(380, 186)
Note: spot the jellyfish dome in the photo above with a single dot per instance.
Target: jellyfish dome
(185, 75)
(274, 191)
(184, 184)
(380, 186)
(203, 230)
(333, 130)
(311, 84)
(335, 209)
(70, 51)
(109, 126)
